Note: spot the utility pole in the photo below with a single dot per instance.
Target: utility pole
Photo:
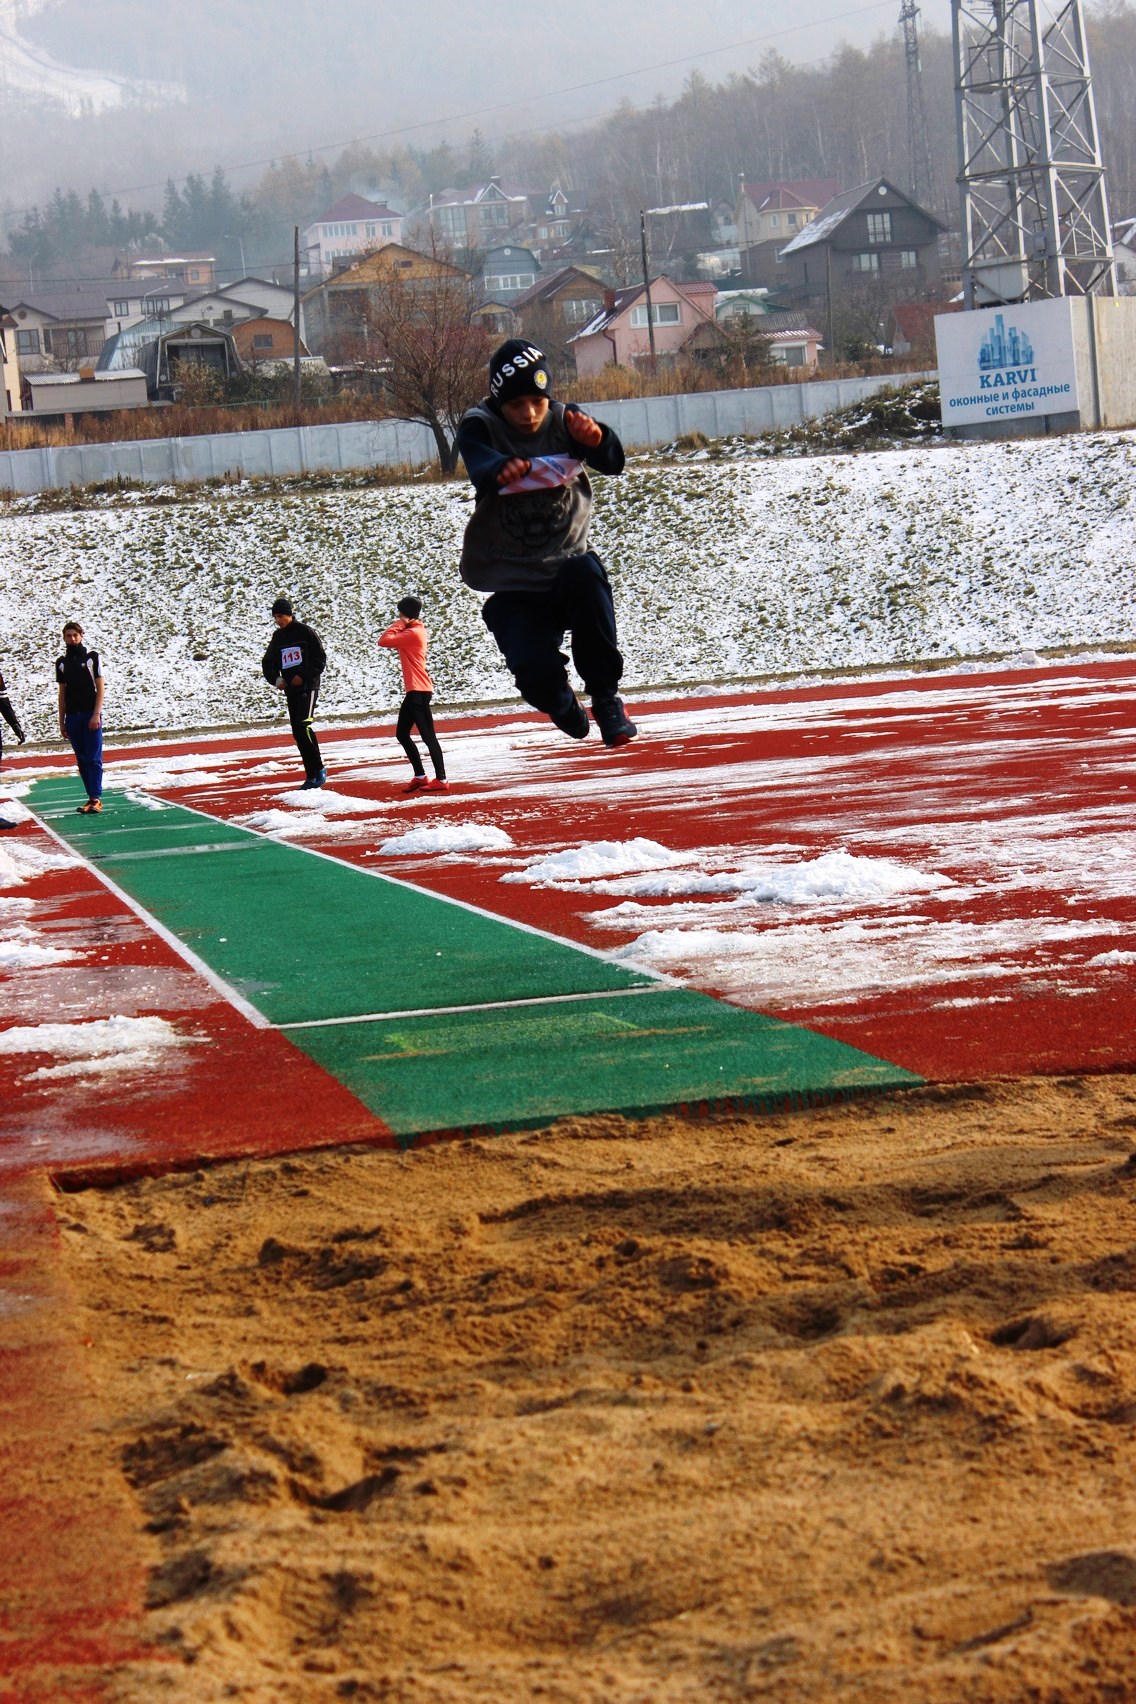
(647, 284)
(678, 207)
(296, 316)
(918, 142)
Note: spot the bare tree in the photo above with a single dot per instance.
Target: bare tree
(434, 350)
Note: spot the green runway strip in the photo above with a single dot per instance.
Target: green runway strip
(306, 939)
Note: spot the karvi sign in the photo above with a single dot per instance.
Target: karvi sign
(997, 364)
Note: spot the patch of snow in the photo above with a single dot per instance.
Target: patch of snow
(326, 802)
(447, 837)
(21, 950)
(831, 877)
(20, 863)
(102, 1045)
(595, 858)
(827, 963)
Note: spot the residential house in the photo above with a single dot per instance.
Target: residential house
(619, 333)
(870, 245)
(336, 310)
(214, 306)
(562, 231)
(768, 215)
(265, 339)
(740, 304)
(247, 298)
(787, 339)
(60, 327)
(9, 366)
(472, 220)
(195, 271)
(506, 273)
(276, 300)
(553, 310)
(129, 301)
(909, 329)
(350, 228)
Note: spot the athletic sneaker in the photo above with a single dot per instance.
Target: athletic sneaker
(316, 780)
(613, 721)
(417, 782)
(572, 721)
(91, 808)
(438, 785)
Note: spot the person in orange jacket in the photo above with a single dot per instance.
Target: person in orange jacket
(408, 637)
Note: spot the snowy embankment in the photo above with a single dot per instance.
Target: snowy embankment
(722, 570)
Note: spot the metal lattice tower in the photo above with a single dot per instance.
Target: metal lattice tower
(918, 142)
(1034, 206)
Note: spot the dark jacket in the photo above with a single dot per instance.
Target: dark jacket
(76, 671)
(517, 541)
(9, 714)
(294, 650)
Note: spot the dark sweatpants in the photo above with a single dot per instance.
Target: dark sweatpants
(529, 628)
(301, 701)
(415, 712)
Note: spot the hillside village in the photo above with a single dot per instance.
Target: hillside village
(680, 256)
(774, 279)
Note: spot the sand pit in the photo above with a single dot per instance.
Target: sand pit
(826, 1405)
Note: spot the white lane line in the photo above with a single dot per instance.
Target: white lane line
(445, 899)
(224, 989)
(479, 1006)
(171, 852)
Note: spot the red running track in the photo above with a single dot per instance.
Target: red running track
(1000, 804)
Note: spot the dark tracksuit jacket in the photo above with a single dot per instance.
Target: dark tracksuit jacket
(529, 549)
(77, 671)
(296, 656)
(9, 716)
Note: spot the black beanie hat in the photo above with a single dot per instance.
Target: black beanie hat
(411, 608)
(282, 606)
(518, 369)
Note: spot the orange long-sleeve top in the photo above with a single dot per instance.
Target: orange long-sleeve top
(409, 638)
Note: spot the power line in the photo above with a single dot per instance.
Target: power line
(505, 106)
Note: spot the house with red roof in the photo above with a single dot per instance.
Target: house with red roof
(768, 215)
(619, 333)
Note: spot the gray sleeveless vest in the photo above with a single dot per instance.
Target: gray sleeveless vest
(517, 543)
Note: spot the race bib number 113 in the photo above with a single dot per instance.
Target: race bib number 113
(291, 656)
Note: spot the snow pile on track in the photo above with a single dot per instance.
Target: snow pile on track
(115, 1044)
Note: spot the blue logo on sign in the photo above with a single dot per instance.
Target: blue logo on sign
(1004, 348)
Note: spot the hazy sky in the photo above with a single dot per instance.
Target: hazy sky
(280, 76)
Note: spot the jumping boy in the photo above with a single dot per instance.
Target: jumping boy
(527, 541)
(79, 676)
(408, 637)
(294, 661)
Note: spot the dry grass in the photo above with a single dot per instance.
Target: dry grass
(616, 384)
(182, 421)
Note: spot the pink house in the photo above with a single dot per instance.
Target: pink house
(619, 333)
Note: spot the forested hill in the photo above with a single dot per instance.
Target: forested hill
(277, 78)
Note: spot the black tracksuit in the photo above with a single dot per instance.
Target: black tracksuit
(296, 659)
(9, 716)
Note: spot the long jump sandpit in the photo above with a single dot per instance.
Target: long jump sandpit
(814, 1398)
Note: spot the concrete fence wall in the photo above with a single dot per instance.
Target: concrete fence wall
(641, 422)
